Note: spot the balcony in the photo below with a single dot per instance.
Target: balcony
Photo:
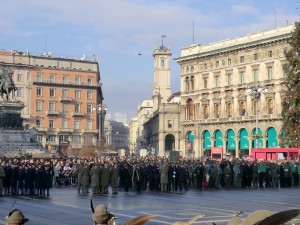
(52, 113)
(77, 114)
(91, 131)
(42, 129)
(65, 130)
(65, 99)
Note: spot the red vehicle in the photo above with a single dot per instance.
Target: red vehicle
(275, 153)
(216, 153)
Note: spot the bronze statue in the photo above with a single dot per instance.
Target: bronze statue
(7, 85)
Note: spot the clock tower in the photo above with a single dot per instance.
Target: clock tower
(162, 83)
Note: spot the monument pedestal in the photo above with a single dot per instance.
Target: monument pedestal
(13, 138)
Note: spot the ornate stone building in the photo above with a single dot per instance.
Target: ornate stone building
(160, 125)
(61, 96)
(215, 107)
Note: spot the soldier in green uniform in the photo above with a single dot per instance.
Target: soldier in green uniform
(294, 174)
(79, 171)
(261, 173)
(228, 176)
(86, 178)
(275, 173)
(95, 173)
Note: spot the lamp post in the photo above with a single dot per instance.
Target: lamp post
(101, 110)
(256, 92)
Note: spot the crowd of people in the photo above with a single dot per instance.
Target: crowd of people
(35, 177)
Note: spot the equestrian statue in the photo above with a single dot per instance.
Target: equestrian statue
(7, 85)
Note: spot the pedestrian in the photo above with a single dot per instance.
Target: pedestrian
(16, 217)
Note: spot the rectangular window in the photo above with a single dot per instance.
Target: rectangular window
(229, 62)
(65, 77)
(39, 106)
(52, 78)
(217, 64)
(20, 92)
(270, 73)
(89, 109)
(63, 138)
(52, 92)
(205, 66)
(51, 123)
(19, 77)
(255, 57)
(270, 54)
(51, 138)
(217, 81)
(89, 81)
(39, 138)
(242, 77)
(77, 80)
(76, 124)
(255, 75)
(39, 77)
(205, 83)
(170, 123)
(64, 93)
(76, 139)
(229, 79)
(51, 106)
(38, 91)
(64, 123)
(77, 94)
(89, 95)
(76, 108)
(242, 59)
(64, 108)
(88, 124)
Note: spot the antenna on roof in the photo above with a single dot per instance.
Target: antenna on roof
(275, 19)
(193, 33)
(45, 44)
(162, 40)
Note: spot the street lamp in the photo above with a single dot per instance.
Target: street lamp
(101, 110)
(256, 92)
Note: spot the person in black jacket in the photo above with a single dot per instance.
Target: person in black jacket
(6, 183)
(46, 180)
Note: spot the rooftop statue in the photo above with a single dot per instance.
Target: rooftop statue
(7, 85)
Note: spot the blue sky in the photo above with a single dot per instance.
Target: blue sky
(117, 30)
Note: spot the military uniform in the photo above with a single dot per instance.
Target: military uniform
(2, 176)
(95, 173)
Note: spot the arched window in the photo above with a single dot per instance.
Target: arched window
(190, 110)
(229, 110)
(243, 111)
(38, 123)
(192, 83)
(217, 111)
(187, 84)
(270, 106)
(187, 69)
(205, 111)
(192, 68)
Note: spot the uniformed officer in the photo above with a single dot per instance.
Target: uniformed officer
(16, 217)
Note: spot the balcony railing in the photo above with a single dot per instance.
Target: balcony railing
(62, 82)
(77, 113)
(52, 112)
(65, 99)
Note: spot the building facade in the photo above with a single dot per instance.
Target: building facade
(61, 97)
(215, 106)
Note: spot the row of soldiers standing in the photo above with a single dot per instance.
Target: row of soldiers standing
(18, 178)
